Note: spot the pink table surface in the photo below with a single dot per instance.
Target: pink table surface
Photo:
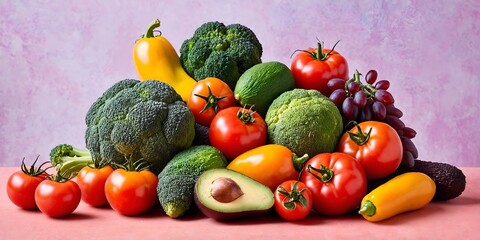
(455, 219)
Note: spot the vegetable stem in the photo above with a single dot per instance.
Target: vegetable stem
(368, 208)
(299, 161)
(326, 174)
(360, 138)
(151, 28)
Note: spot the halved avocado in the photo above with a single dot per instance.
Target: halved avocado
(224, 194)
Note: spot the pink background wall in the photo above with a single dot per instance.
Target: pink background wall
(57, 57)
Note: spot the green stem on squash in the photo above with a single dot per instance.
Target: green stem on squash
(368, 208)
(151, 28)
(299, 161)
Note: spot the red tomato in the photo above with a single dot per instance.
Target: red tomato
(209, 96)
(337, 182)
(293, 200)
(21, 185)
(313, 68)
(57, 199)
(236, 130)
(131, 192)
(376, 146)
(92, 183)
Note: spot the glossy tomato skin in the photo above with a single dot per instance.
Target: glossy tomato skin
(92, 184)
(269, 164)
(21, 189)
(232, 136)
(219, 95)
(57, 199)
(310, 72)
(131, 192)
(300, 211)
(342, 192)
(380, 155)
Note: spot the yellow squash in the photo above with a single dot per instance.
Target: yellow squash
(156, 59)
(406, 192)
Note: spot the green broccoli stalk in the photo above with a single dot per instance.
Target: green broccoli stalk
(68, 160)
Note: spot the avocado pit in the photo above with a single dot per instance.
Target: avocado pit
(225, 190)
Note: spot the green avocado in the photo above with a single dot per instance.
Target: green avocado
(224, 194)
(262, 83)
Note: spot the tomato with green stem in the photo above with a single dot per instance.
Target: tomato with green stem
(337, 181)
(209, 96)
(293, 200)
(314, 67)
(375, 145)
(235, 130)
(91, 180)
(22, 184)
(132, 188)
(58, 196)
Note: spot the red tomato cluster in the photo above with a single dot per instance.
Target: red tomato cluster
(127, 191)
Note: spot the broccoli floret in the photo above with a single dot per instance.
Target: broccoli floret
(216, 50)
(68, 160)
(134, 120)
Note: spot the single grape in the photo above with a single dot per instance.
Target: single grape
(394, 122)
(366, 113)
(336, 83)
(409, 132)
(384, 96)
(360, 99)
(407, 159)
(382, 85)
(409, 146)
(338, 96)
(392, 110)
(353, 87)
(348, 107)
(371, 76)
(379, 111)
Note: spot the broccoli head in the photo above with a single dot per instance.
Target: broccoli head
(216, 50)
(134, 120)
(68, 160)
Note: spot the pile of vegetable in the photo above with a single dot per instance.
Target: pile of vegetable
(217, 128)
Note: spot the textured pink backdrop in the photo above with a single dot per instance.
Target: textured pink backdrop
(57, 57)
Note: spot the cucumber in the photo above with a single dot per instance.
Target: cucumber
(262, 83)
(177, 180)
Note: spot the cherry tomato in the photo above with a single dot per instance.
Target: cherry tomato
(314, 67)
(235, 130)
(293, 200)
(92, 183)
(209, 96)
(376, 146)
(337, 182)
(22, 184)
(57, 197)
(131, 192)
(269, 164)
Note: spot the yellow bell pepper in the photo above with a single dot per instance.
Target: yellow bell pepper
(156, 59)
(406, 192)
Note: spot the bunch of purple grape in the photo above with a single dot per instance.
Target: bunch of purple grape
(372, 101)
